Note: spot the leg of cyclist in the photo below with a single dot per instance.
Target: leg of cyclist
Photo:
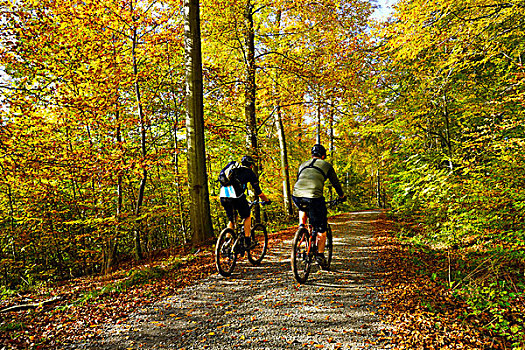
(303, 205)
(302, 218)
(228, 206)
(318, 220)
(243, 208)
(247, 228)
(321, 241)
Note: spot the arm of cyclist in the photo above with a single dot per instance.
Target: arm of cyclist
(257, 189)
(265, 199)
(336, 184)
(260, 193)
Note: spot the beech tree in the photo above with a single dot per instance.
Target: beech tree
(197, 175)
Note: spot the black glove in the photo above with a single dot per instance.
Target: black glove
(267, 202)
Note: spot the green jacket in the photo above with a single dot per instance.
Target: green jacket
(312, 176)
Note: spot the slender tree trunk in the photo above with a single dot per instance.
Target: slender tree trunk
(249, 93)
(178, 189)
(331, 144)
(112, 243)
(287, 196)
(249, 89)
(318, 136)
(200, 217)
(447, 126)
(11, 240)
(142, 125)
(285, 174)
(372, 186)
(378, 189)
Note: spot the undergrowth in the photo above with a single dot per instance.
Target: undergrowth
(486, 275)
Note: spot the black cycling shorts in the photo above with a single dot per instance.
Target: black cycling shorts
(236, 204)
(315, 208)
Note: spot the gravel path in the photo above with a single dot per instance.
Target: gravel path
(265, 308)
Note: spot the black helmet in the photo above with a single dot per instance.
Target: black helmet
(318, 151)
(247, 161)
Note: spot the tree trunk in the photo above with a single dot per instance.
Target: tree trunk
(331, 145)
(140, 198)
(287, 196)
(200, 217)
(249, 88)
(378, 189)
(447, 126)
(318, 136)
(249, 93)
(285, 173)
(178, 189)
(112, 243)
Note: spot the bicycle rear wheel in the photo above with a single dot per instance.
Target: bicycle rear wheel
(329, 248)
(300, 260)
(225, 256)
(259, 238)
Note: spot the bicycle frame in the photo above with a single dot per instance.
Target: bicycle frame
(304, 248)
(239, 228)
(312, 233)
(230, 244)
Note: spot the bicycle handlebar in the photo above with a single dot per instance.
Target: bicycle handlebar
(259, 203)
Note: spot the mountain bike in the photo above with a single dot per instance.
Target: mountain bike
(230, 245)
(304, 248)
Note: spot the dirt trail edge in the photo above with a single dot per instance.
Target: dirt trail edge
(263, 307)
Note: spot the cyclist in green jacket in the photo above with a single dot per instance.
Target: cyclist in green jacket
(308, 195)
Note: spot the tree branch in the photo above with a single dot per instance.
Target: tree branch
(31, 305)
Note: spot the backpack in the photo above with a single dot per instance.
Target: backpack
(311, 165)
(227, 174)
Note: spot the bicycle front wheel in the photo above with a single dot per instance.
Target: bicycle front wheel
(329, 248)
(225, 256)
(259, 238)
(301, 261)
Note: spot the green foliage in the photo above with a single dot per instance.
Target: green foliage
(6, 292)
(11, 326)
(453, 109)
(135, 277)
(488, 279)
(501, 301)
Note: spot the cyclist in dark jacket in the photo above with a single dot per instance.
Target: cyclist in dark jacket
(233, 197)
(308, 194)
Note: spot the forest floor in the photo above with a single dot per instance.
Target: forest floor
(374, 297)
